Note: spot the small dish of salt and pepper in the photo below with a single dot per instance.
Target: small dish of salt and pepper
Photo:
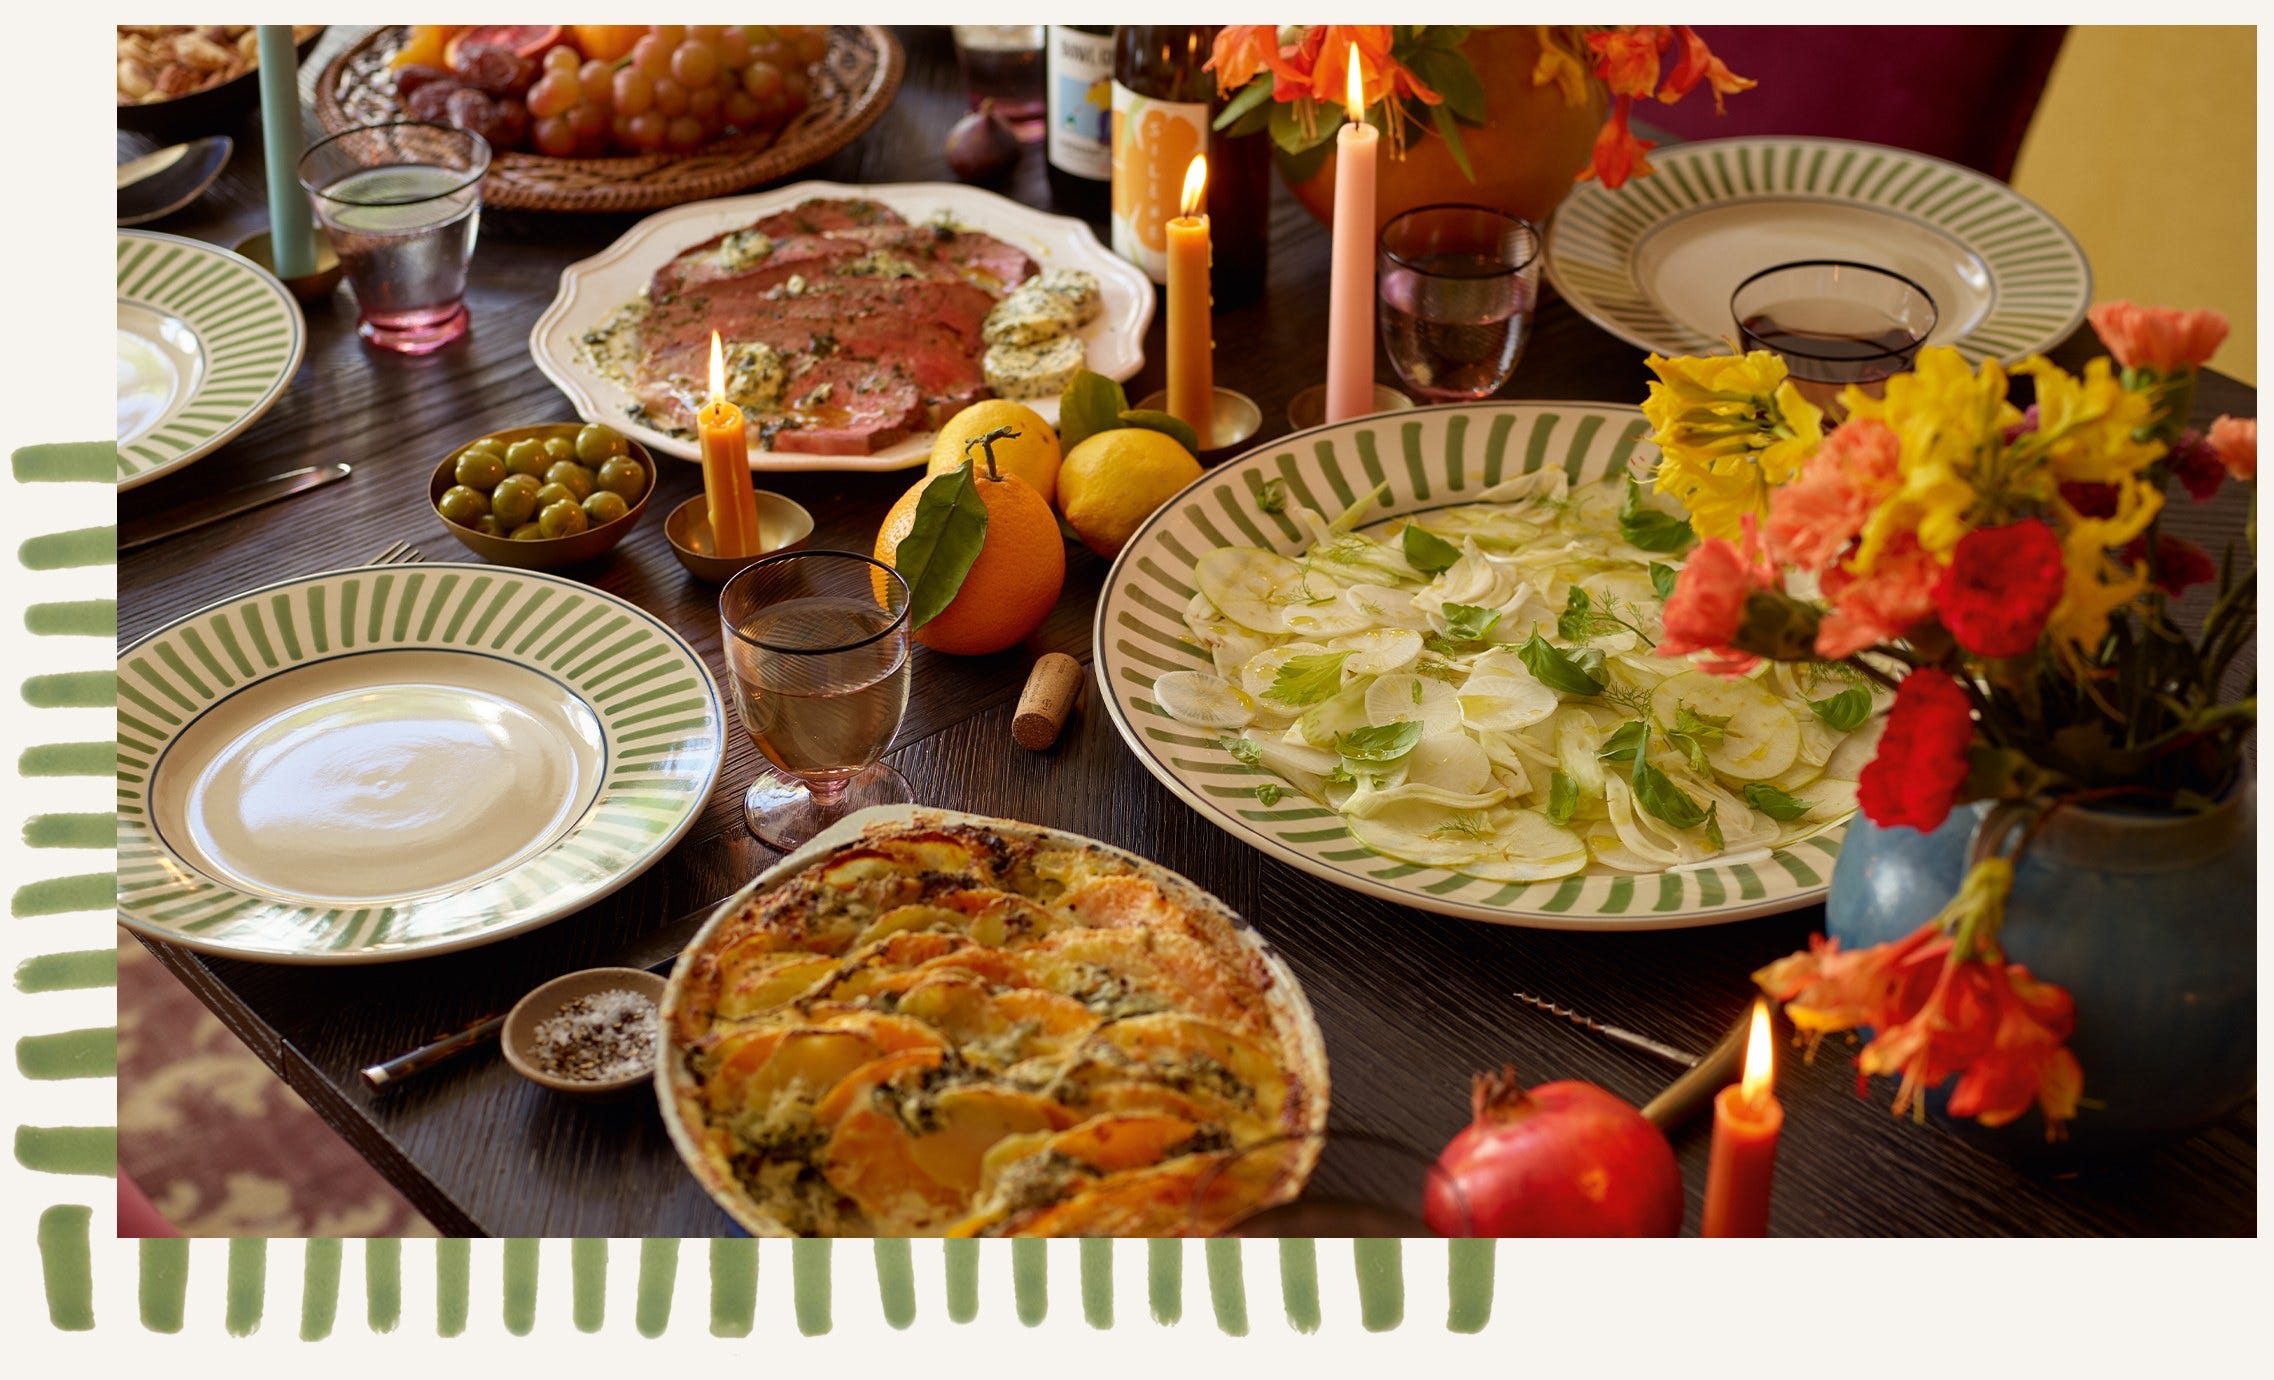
(587, 1034)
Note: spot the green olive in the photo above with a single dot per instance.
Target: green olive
(604, 507)
(595, 443)
(515, 499)
(550, 494)
(491, 444)
(488, 525)
(526, 457)
(479, 469)
(559, 448)
(571, 476)
(528, 531)
(623, 476)
(563, 519)
(462, 505)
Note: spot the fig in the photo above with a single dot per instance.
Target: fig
(982, 146)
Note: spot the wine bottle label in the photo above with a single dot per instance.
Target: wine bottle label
(1153, 143)
(1080, 104)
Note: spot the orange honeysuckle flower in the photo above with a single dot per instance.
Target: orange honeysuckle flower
(1242, 53)
(1826, 990)
(2027, 1061)
(1381, 77)
(1619, 155)
(1626, 58)
(1560, 65)
(2157, 338)
(1695, 62)
(1952, 1030)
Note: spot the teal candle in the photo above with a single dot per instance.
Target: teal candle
(292, 239)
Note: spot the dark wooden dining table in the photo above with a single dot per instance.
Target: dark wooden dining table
(1411, 1003)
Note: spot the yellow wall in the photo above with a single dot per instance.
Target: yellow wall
(2146, 147)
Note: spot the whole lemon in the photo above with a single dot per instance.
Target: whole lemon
(1032, 455)
(1013, 584)
(1114, 480)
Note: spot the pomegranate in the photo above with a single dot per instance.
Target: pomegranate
(1564, 1159)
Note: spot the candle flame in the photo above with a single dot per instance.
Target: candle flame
(1760, 1059)
(718, 369)
(1357, 92)
(1195, 183)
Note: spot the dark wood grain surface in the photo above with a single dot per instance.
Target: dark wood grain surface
(1410, 1003)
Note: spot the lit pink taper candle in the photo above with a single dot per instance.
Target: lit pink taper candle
(1350, 299)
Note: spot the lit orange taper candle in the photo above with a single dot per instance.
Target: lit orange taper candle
(1746, 1121)
(727, 491)
(1350, 288)
(1192, 347)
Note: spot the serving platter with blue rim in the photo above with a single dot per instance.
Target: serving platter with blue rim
(393, 761)
(1654, 262)
(207, 342)
(1419, 461)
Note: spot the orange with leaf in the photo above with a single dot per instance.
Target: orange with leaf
(981, 553)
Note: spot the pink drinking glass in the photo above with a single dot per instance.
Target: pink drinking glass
(402, 204)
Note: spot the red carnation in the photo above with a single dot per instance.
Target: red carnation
(1916, 775)
(2196, 465)
(2001, 586)
(2090, 499)
(2180, 563)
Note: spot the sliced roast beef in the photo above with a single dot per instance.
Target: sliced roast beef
(824, 214)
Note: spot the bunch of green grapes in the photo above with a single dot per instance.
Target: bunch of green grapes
(681, 87)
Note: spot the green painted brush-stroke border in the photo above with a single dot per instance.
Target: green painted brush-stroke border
(69, 1157)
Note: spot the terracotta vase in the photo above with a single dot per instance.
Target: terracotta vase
(1524, 156)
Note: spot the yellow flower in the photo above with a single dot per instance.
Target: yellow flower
(1950, 423)
(2098, 585)
(2086, 427)
(1729, 428)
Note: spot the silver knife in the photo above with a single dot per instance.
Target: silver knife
(228, 503)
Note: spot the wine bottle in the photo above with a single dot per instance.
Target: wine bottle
(1163, 104)
(1078, 61)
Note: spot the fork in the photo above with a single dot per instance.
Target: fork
(400, 553)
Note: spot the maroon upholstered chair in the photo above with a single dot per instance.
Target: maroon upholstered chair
(1961, 92)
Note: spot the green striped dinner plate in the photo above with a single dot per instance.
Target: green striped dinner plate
(207, 341)
(1428, 458)
(392, 761)
(1654, 262)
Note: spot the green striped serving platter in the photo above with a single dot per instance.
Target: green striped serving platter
(1428, 458)
(1655, 261)
(207, 342)
(392, 761)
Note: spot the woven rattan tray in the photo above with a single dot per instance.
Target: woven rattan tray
(853, 84)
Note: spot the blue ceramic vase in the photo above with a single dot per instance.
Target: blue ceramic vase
(2149, 920)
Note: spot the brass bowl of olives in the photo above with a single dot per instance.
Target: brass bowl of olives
(541, 497)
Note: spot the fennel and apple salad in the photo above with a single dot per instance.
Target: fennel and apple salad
(1477, 688)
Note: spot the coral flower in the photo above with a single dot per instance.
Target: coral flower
(2157, 338)
(1816, 517)
(2235, 441)
(1881, 606)
(1707, 607)
(2001, 586)
(1951, 1030)
(2027, 1061)
(1921, 765)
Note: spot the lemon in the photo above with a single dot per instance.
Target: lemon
(1114, 480)
(1032, 455)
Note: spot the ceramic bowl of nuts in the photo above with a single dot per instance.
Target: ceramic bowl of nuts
(589, 1034)
(541, 497)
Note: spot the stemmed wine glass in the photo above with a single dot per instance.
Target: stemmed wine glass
(817, 647)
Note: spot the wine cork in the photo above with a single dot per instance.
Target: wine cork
(1052, 687)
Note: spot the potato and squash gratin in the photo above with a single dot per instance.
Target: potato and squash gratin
(985, 1030)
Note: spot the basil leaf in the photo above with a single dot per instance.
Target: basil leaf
(1576, 624)
(1713, 826)
(1623, 743)
(1245, 749)
(1427, 552)
(1563, 798)
(1268, 793)
(1648, 528)
(1272, 497)
(943, 541)
(1091, 403)
(1704, 727)
(1776, 804)
(1175, 428)
(1467, 622)
(1846, 711)
(1657, 793)
(1416, 688)
(1307, 679)
(1662, 578)
(1379, 742)
(1590, 662)
(1556, 669)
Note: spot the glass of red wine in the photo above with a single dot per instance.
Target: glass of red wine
(1360, 1184)
(1834, 323)
(1457, 288)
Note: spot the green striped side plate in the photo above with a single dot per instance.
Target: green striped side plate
(249, 336)
(1429, 458)
(1654, 262)
(659, 712)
